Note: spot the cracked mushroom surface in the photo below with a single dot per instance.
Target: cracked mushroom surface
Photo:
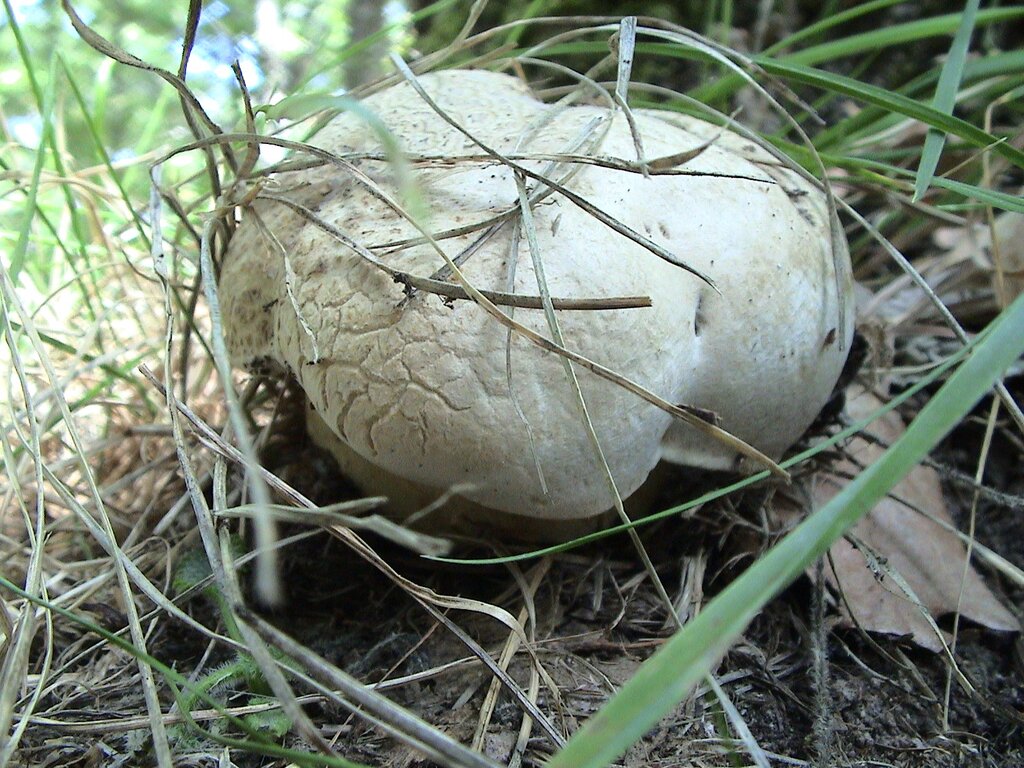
(419, 394)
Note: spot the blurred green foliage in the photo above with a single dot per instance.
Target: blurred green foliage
(80, 130)
(280, 46)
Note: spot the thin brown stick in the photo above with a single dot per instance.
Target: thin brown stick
(453, 290)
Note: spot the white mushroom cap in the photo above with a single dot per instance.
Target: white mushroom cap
(418, 387)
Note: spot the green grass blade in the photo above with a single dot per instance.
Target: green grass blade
(533, 10)
(872, 120)
(46, 107)
(889, 175)
(873, 95)
(92, 126)
(935, 375)
(901, 34)
(894, 102)
(863, 43)
(990, 197)
(668, 677)
(945, 97)
(829, 22)
(46, 102)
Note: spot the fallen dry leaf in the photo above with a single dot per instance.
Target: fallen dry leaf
(1008, 256)
(971, 256)
(906, 550)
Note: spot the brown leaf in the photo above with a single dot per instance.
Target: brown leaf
(1008, 255)
(907, 549)
(976, 255)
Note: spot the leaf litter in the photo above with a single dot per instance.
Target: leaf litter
(902, 567)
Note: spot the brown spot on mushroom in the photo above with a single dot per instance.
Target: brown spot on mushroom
(555, 223)
(699, 316)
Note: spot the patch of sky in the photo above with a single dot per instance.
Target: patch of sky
(28, 12)
(26, 129)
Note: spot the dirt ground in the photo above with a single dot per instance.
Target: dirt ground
(882, 703)
(598, 618)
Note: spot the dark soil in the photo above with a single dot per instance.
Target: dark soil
(883, 702)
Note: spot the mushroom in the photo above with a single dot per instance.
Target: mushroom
(749, 320)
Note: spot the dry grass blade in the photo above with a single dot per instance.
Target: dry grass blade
(623, 45)
(289, 284)
(19, 633)
(695, 419)
(215, 547)
(573, 382)
(394, 718)
(986, 446)
(513, 247)
(195, 108)
(309, 513)
(431, 601)
(102, 655)
(331, 515)
(609, 221)
(267, 581)
(738, 723)
(451, 290)
(102, 528)
(527, 617)
(518, 694)
(123, 724)
(268, 665)
(665, 165)
(1004, 395)
(533, 690)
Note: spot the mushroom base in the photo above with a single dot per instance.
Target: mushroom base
(445, 512)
